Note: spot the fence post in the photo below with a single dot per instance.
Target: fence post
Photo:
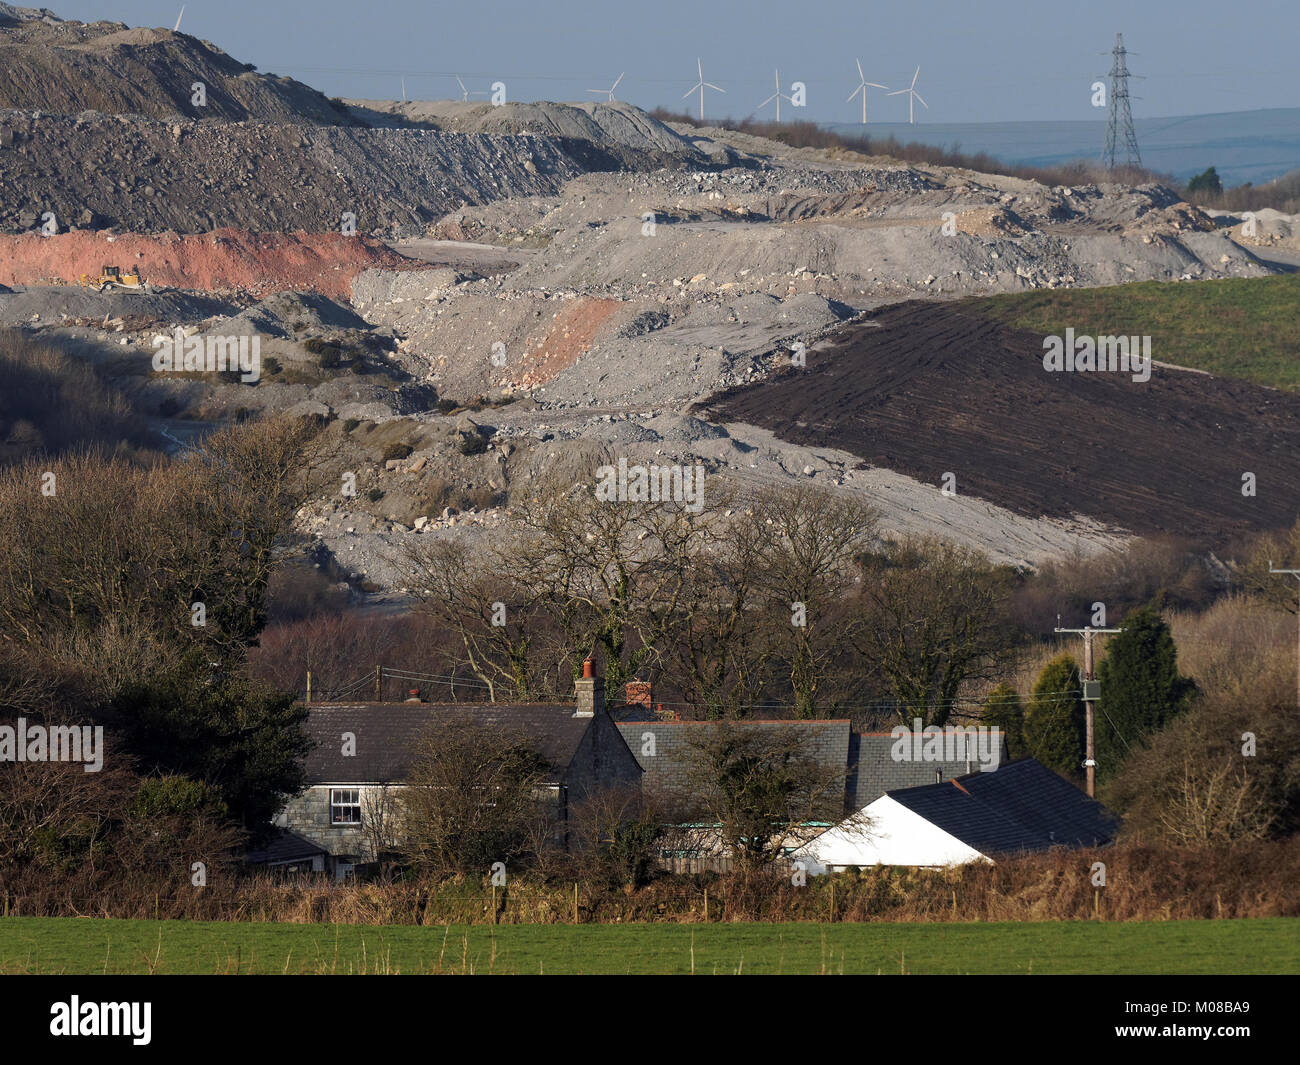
(832, 902)
(309, 685)
(706, 905)
(379, 683)
(575, 902)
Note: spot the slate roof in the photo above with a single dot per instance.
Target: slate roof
(388, 735)
(1023, 807)
(671, 770)
(285, 846)
(874, 770)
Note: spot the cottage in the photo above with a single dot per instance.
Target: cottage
(363, 752)
(1021, 808)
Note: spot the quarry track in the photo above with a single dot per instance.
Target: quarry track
(923, 389)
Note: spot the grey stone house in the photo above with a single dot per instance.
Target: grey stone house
(363, 751)
(869, 763)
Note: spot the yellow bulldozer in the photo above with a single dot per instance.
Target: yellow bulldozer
(112, 277)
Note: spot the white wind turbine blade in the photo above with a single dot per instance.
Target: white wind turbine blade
(769, 99)
(923, 103)
(710, 85)
(690, 90)
(616, 81)
(875, 85)
(860, 88)
(177, 27)
(699, 66)
(914, 77)
(861, 76)
(897, 92)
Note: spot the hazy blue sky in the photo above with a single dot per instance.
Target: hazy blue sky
(995, 60)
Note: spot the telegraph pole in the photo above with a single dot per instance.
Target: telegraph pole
(1091, 691)
(1296, 574)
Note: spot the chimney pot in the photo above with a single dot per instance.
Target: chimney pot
(588, 669)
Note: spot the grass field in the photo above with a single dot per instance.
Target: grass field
(1239, 327)
(87, 945)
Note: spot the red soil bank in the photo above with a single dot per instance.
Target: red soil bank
(223, 260)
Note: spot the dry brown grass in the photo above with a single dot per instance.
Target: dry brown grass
(1143, 883)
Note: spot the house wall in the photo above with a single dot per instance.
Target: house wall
(308, 814)
(602, 760)
(892, 835)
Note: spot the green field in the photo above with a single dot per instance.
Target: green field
(86, 945)
(1239, 327)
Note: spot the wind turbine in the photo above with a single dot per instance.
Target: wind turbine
(862, 88)
(778, 96)
(912, 95)
(465, 93)
(701, 85)
(610, 90)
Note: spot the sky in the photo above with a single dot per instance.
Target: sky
(985, 61)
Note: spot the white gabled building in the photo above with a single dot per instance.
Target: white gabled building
(1021, 808)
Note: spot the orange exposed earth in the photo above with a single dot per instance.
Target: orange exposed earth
(567, 340)
(223, 260)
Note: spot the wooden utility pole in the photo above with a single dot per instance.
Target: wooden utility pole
(1091, 690)
(1296, 574)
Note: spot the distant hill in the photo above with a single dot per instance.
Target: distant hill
(67, 67)
(1243, 146)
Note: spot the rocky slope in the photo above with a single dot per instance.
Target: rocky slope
(67, 67)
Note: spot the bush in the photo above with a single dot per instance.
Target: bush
(446, 406)
(1206, 183)
(473, 444)
(375, 495)
(350, 424)
(396, 450)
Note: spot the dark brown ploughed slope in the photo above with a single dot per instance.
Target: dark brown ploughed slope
(922, 389)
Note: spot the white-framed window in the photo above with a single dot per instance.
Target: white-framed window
(345, 806)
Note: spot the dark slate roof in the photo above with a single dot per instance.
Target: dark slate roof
(388, 735)
(285, 846)
(874, 770)
(1022, 807)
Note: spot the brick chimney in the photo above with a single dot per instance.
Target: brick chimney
(590, 690)
(638, 693)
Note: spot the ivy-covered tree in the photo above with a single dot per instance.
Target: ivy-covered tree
(1054, 720)
(1002, 709)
